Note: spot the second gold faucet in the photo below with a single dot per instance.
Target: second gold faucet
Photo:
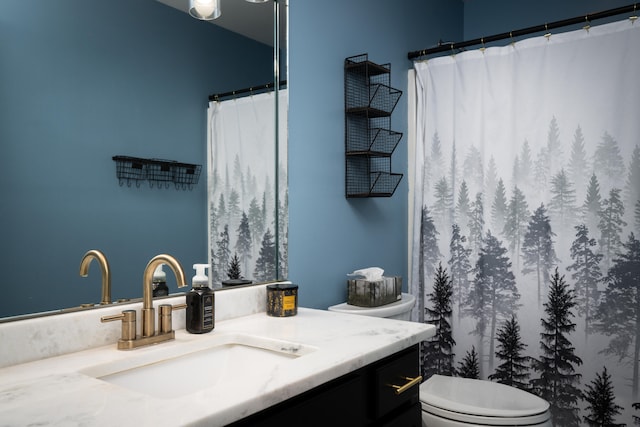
(104, 267)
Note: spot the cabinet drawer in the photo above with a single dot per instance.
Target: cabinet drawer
(336, 403)
(392, 374)
(410, 417)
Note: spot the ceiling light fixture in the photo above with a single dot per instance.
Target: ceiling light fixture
(257, 1)
(205, 10)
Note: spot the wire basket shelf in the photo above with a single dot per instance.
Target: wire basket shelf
(369, 140)
(159, 173)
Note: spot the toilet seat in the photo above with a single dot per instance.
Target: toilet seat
(481, 402)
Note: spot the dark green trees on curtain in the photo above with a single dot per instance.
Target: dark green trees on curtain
(563, 200)
(244, 242)
(537, 248)
(463, 207)
(611, 224)
(436, 155)
(473, 168)
(619, 312)
(469, 367)
(599, 395)
(491, 183)
(453, 182)
(266, 262)
(578, 165)
(553, 150)
(256, 220)
(516, 223)
(525, 165)
(223, 253)
(443, 204)
(608, 160)
(476, 224)
(460, 267)
(499, 207)
(493, 295)
(213, 221)
(631, 187)
(438, 351)
(586, 275)
(513, 369)
(234, 271)
(558, 379)
(592, 205)
(428, 256)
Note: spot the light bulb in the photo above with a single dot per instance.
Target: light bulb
(204, 9)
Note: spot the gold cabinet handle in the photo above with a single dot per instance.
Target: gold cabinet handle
(410, 383)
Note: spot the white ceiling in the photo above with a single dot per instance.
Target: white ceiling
(253, 20)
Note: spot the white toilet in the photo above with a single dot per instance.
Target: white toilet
(462, 402)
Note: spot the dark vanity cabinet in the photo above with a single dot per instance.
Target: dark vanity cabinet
(369, 140)
(365, 397)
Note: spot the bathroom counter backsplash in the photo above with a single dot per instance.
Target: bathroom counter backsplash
(39, 338)
(52, 391)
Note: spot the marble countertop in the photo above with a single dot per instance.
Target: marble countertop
(52, 391)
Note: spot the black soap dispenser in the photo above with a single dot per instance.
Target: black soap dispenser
(200, 303)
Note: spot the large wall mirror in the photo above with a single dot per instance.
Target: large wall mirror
(82, 82)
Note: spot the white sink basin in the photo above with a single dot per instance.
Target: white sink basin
(225, 361)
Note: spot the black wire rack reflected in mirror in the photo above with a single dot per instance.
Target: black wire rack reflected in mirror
(159, 173)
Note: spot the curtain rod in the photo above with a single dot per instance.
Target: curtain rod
(444, 47)
(260, 88)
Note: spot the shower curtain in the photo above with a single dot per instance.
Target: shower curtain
(526, 218)
(242, 196)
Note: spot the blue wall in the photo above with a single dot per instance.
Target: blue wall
(330, 235)
(488, 17)
(81, 82)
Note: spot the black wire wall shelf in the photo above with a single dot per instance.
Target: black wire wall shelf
(161, 173)
(369, 102)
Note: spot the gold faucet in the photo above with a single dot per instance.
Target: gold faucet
(149, 336)
(148, 325)
(106, 272)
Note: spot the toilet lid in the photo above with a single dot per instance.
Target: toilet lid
(470, 400)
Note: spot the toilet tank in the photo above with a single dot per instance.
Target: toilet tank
(400, 309)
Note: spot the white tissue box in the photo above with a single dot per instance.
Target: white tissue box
(374, 293)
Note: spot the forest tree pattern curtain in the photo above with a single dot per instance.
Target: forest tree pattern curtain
(526, 251)
(242, 188)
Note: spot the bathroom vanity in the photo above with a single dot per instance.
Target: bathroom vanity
(365, 397)
(310, 369)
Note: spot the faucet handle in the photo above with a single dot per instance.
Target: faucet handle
(165, 318)
(128, 318)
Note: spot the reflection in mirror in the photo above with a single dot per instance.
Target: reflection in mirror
(247, 183)
(247, 214)
(80, 84)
